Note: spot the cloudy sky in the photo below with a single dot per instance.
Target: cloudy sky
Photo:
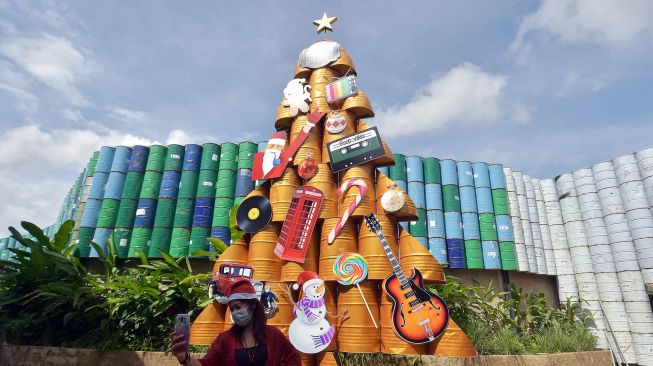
(542, 86)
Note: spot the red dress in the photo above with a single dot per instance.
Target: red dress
(280, 351)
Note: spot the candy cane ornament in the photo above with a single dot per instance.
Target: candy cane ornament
(362, 189)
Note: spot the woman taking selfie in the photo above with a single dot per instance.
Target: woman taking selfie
(249, 342)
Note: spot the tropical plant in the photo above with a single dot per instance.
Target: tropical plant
(45, 296)
(142, 301)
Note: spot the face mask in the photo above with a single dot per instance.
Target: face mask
(242, 317)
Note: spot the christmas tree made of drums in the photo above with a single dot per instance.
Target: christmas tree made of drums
(356, 333)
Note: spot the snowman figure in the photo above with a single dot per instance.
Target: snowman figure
(295, 96)
(310, 332)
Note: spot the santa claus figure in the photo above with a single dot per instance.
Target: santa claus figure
(271, 162)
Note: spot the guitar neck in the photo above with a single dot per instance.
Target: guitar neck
(393, 260)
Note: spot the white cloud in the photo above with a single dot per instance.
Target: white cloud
(53, 60)
(466, 95)
(128, 115)
(39, 167)
(616, 24)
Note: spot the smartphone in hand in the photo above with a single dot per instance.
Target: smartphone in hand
(182, 326)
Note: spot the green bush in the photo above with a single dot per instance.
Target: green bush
(48, 298)
(512, 322)
(45, 296)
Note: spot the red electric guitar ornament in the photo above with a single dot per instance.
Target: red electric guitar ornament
(273, 161)
(296, 232)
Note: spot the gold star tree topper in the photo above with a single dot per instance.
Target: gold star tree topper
(325, 23)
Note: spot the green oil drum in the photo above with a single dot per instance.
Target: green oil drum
(140, 241)
(179, 242)
(210, 157)
(160, 240)
(418, 228)
(246, 151)
(121, 237)
(84, 238)
(184, 213)
(488, 227)
(473, 254)
(398, 171)
(198, 239)
(93, 163)
(508, 256)
(451, 198)
(206, 183)
(228, 156)
(133, 184)
(151, 184)
(126, 213)
(432, 171)
(226, 184)
(174, 158)
(221, 211)
(108, 213)
(156, 159)
(188, 184)
(500, 201)
(165, 212)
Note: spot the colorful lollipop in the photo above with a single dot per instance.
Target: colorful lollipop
(351, 269)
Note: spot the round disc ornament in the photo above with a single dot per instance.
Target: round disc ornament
(393, 200)
(336, 123)
(254, 214)
(308, 168)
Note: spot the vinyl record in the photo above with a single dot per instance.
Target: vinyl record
(254, 214)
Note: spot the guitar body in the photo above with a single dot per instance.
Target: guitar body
(418, 316)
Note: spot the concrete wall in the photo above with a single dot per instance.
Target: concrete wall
(54, 356)
(528, 282)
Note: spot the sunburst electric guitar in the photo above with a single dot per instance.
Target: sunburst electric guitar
(418, 316)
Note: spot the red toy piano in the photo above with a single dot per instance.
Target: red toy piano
(296, 232)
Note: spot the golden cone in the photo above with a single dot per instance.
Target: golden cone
(406, 213)
(368, 203)
(301, 72)
(320, 103)
(291, 270)
(344, 65)
(453, 343)
(208, 324)
(325, 181)
(313, 143)
(261, 257)
(414, 255)
(281, 193)
(357, 333)
(390, 343)
(350, 128)
(344, 242)
(236, 253)
(323, 75)
(359, 105)
(285, 314)
(387, 159)
(283, 118)
(370, 247)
